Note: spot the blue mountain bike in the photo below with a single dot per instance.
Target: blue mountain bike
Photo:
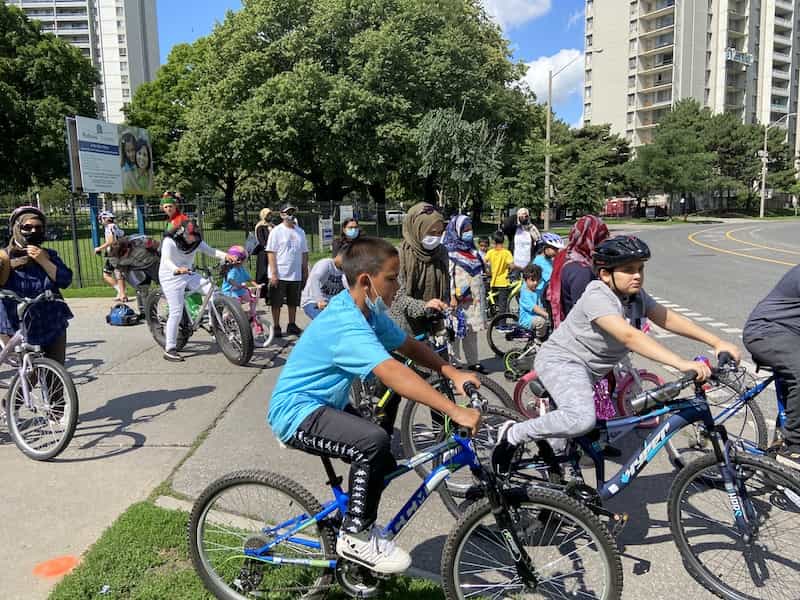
(255, 534)
(734, 515)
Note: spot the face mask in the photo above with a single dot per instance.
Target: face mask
(431, 242)
(33, 238)
(468, 236)
(351, 233)
(378, 306)
(524, 221)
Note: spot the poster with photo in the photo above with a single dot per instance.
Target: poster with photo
(114, 158)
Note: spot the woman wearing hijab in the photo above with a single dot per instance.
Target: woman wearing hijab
(572, 268)
(27, 269)
(424, 278)
(467, 290)
(262, 230)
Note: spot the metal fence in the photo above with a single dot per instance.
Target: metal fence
(70, 230)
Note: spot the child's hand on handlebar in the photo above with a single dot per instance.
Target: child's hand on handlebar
(702, 369)
(468, 418)
(459, 378)
(731, 349)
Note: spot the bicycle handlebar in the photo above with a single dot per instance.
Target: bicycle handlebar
(24, 303)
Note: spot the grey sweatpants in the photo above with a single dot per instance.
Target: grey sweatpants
(571, 386)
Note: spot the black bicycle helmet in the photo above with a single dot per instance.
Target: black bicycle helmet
(187, 235)
(619, 251)
(25, 210)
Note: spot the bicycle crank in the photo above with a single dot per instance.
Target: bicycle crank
(358, 581)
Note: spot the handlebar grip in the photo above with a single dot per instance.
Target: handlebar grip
(724, 359)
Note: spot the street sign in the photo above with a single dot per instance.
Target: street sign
(650, 212)
(345, 212)
(743, 58)
(326, 234)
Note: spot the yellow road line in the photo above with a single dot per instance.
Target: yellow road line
(692, 238)
(728, 234)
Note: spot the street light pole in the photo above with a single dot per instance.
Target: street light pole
(764, 160)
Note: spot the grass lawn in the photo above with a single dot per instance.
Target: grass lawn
(144, 556)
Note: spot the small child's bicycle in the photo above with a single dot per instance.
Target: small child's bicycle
(255, 534)
(261, 325)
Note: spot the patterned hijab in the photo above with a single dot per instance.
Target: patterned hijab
(460, 252)
(424, 273)
(584, 236)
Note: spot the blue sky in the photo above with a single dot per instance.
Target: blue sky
(545, 34)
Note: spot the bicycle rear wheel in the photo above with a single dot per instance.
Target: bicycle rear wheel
(156, 312)
(232, 330)
(45, 428)
(245, 511)
(505, 334)
(572, 552)
(712, 547)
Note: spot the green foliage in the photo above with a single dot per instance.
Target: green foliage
(42, 80)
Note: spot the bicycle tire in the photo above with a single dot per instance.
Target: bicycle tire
(156, 324)
(750, 466)
(230, 312)
(526, 402)
(550, 503)
(414, 444)
(755, 426)
(67, 415)
(306, 504)
(499, 330)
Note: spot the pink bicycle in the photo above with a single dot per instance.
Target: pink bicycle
(261, 325)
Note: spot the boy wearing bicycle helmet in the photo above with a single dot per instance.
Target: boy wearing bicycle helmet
(593, 338)
(553, 244)
(178, 250)
(772, 335)
(112, 276)
(309, 408)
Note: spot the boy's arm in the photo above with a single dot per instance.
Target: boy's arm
(408, 384)
(637, 341)
(672, 321)
(423, 354)
(540, 311)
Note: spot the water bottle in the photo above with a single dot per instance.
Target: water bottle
(193, 303)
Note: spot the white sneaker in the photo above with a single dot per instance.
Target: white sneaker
(375, 553)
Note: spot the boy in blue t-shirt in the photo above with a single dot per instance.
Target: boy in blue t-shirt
(532, 314)
(309, 408)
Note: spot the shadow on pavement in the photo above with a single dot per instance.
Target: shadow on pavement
(428, 554)
(82, 370)
(116, 418)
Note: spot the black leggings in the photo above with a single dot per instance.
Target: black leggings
(366, 446)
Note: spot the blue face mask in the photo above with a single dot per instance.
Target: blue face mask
(468, 236)
(378, 306)
(351, 233)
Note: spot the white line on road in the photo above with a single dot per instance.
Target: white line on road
(672, 306)
(682, 310)
(718, 324)
(693, 315)
(731, 330)
(704, 319)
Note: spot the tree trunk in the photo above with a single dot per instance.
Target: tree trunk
(430, 190)
(230, 189)
(378, 194)
(477, 211)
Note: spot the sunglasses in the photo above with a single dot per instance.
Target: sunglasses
(29, 227)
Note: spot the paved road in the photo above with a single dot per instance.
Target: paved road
(141, 416)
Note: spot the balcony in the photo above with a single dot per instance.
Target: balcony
(782, 57)
(655, 49)
(779, 108)
(786, 5)
(656, 31)
(778, 74)
(647, 87)
(782, 40)
(656, 9)
(648, 105)
(783, 23)
(780, 91)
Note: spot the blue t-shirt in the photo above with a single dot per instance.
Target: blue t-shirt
(527, 300)
(339, 345)
(238, 275)
(547, 271)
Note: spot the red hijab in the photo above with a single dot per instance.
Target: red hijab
(584, 236)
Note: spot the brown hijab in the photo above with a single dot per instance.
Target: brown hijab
(424, 272)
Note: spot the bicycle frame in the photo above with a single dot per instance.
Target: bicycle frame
(18, 339)
(288, 530)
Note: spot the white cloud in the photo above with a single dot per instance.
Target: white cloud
(574, 19)
(568, 83)
(511, 13)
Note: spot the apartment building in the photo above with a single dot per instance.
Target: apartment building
(119, 36)
(735, 56)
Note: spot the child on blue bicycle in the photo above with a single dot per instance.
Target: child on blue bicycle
(309, 408)
(532, 314)
(593, 338)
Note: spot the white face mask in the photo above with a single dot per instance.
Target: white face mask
(431, 242)
(377, 306)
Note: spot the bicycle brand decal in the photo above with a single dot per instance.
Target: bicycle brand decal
(417, 500)
(646, 455)
(513, 549)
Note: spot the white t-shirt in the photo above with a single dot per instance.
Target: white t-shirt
(523, 246)
(289, 245)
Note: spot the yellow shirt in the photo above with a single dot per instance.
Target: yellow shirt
(499, 261)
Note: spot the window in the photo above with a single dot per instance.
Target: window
(123, 52)
(120, 11)
(588, 92)
(126, 93)
(123, 66)
(631, 100)
(631, 64)
(120, 25)
(124, 79)
(631, 81)
(629, 120)
(589, 40)
(632, 27)
(589, 7)
(589, 24)
(632, 46)
(121, 38)
(587, 77)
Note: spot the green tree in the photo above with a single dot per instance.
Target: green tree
(42, 80)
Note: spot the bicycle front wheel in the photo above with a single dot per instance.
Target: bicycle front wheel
(714, 550)
(43, 426)
(242, 513)
(232, 330)
(505, 334)
(572, 552)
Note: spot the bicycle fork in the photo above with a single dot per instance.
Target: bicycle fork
(744, 513)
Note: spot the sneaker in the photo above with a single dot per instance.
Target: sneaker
(172, 356)
(504, 450)
(277, 331)
(293, 329)
(789, 456)
(374, 552)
